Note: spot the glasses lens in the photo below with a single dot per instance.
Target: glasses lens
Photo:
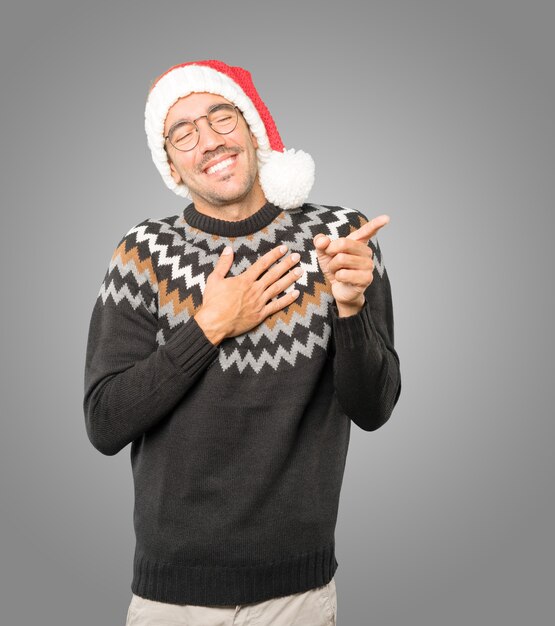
(183, 136)
(223, 118)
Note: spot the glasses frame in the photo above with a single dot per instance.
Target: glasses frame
(194, 123)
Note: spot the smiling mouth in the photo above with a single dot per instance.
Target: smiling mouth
(222, 165)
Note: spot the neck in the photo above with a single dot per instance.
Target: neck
(232, 211)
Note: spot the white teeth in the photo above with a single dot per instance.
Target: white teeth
(219, 166)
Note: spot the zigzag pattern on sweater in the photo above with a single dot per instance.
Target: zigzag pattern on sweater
(163, 266)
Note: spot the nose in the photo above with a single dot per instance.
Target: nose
(209, 139)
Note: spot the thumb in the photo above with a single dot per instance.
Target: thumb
(321, 241)
(224, 263)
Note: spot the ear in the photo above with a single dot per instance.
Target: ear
(254, 140)
(174, 172)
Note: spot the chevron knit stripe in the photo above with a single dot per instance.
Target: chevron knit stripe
(173, 259)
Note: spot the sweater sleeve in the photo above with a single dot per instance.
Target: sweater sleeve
(131, 382)
(367, 375)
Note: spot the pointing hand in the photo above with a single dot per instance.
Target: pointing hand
(347, 264)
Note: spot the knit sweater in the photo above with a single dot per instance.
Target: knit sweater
(237, 450)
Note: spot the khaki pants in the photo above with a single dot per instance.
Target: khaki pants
(316, 607)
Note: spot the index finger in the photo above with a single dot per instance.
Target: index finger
(368, 230)
(266, 261)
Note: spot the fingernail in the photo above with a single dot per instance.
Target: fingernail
(227, 250)
(295, 257)
(283, 248)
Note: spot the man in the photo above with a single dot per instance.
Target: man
(232, 345)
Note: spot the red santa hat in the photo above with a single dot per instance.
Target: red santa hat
(286, 176)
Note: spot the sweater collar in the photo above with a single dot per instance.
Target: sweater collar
(266, 214)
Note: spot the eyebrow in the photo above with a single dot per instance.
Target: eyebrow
(212, 107)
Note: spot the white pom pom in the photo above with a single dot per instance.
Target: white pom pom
(287, 178)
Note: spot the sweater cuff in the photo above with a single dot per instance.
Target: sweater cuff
(191, 349)
(350, 331)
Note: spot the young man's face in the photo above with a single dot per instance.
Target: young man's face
(238, 180)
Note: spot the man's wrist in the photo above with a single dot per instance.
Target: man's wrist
(210, 326)
(346, 310)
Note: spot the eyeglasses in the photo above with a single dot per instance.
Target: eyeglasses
(184, 135)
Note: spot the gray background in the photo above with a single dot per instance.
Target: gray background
(444, 117)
